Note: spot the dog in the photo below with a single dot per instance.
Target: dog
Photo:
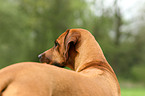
(76, 49)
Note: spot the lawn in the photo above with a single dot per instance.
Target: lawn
(133, 92)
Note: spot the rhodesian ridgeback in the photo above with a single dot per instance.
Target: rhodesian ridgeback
(76, 49)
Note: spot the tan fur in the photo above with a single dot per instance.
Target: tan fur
(81, 52)
(77, 49)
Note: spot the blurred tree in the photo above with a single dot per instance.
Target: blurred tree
(117, 23)
(117, 27)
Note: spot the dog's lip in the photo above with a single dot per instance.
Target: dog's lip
(44, 60)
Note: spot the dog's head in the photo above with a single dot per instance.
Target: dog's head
(64, 50)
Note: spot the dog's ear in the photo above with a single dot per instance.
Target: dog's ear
(71, 39)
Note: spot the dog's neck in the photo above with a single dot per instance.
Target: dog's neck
(97, 64)
(88, 50)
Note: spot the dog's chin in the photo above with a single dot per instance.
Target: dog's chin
(62, 65)
(58, 64)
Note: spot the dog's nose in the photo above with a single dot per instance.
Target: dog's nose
(40, 56)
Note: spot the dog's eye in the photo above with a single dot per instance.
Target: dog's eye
(56, 43)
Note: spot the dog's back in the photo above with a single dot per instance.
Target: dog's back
(22, 80)
(33, 79)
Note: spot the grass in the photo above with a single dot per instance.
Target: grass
(133, 92)
(132, 88)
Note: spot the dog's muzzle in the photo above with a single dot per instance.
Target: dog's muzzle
(43, 59)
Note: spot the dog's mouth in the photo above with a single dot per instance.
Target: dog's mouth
(48, 61)
(58, 64)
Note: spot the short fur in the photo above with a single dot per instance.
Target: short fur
(76, 49)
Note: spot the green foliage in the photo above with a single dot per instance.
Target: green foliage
(138, 72)
(29, 27)
(12, 34)
(133, 92)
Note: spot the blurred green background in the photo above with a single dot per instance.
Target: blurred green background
(29, 27)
